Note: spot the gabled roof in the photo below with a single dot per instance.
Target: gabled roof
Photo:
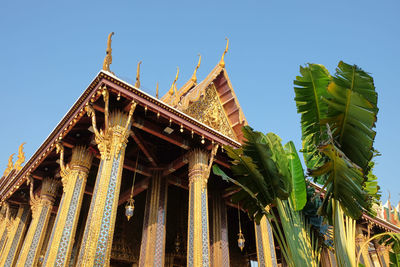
(191, 92)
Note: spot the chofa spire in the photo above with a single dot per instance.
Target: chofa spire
(173, 89)
(137, 83)
(194, 77)
(222, 62)
(108, 59)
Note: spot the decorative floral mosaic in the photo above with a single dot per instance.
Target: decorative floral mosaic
(17, 237)
(204, 228)
(66, 235)
(260, 248)
(160, 238)
(191, 228)
(104, 235)
(35, 241)
(53, 231)
(89, 217)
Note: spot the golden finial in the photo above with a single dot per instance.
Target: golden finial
(108, 59)
(157, 91)
(173, 90)
(194, 78)
(222, 62)
(21, 157)
(10, 165)
(137, 83)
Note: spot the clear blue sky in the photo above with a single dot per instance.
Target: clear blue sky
(52, 50)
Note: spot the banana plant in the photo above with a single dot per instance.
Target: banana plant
(270, 174)
(338, 116)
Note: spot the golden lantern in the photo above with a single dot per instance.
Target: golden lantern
(241, 239)
(130, 207)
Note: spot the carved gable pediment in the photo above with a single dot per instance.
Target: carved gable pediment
(208, 110)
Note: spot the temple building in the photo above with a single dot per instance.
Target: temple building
(125, 180)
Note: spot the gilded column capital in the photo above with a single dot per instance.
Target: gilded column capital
(116, 127)
(81, 161)
(200, 162)
(47, 195)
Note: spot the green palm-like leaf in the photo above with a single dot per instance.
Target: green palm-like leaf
(310, 89)
(352, 113)
(267, 153)
(344, 182)
(298, 196)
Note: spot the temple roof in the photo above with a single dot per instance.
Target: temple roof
(191, 92)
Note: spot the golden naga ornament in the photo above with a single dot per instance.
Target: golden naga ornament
(21, 157)
(10, 165)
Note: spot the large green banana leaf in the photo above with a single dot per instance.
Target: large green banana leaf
(310, 89)
(352, 113)
(344, 182)
(298, 196)
(267, 153)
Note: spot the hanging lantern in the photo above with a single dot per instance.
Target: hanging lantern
(129, 208)
(177, 243)
(241, 239)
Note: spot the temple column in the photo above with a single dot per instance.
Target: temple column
(4, 219)
(383, 254)
(16, 231)
(152, 250)
(219, 240)
(360, 239)
(74, 177)
(265, 244)
(95, 249)
(198, 248)
(41, 210)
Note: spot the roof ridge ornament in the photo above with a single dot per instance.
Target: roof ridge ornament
(173, 89)
(10, 165)
(222, 62)
(21, 157)
(137, 83)
(108, 59)
(194, 77)
(157, 91)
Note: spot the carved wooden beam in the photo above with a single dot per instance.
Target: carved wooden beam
(139, 141)
(179, 182)
(156, 130)
(139, 187)
(176, 164)
(153, 129)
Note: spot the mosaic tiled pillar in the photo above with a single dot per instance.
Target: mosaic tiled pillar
(219, 241)
(198, 248)
(41, 211)
(16, 231)
(360, 239)
(4, 220)
(152, 250)
(74, 181)
(265, 244)
(383, 254)
(96, 245)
